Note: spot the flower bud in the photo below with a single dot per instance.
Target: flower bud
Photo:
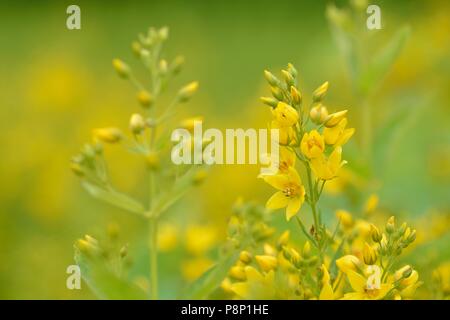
(121, 68)
(345, 218)
(283, 239)
(237, 273)
(390, 225)
(318, 113)
(334, 118)
(136, 48)
(152, 160)
(369, 254)
(348, 262)
(320, 92)
(269, 101)
(288, 78)
(163, 33)
(245, 257)
(266, 263)
(177, 64)
(108, 135)
(306, 250)
(375, 233)
(285, 115)
(145, 98)
(271, 79)
(277, 93)
(137, 123)
(187, 91)
(296, 96)
(291, 69)
(163, 67)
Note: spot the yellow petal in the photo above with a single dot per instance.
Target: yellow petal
(354, 296)
(293, 207)
(277, 181)
(241, 289)
(326, 293)
(357, 281)
(253, 274)
(277, 201)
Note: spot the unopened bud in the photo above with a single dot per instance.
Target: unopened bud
(320, 92)
(375, 233)
(277, 93)
(152, 160)
(136, 48)
(177, 64)
(318, 113)
(291, 69)
(269, 101)
(245, 257)
(369, 254)
(283, 239)
(237, 273)
(108, 135)
(296, 96)
(390, 225)
(121, 68)
(266, 262)
(334, 118)
(188, 91)
(145, 98)
(306, 250)
(137, 123)
(163, 67)
(271, 79)
(288, 78)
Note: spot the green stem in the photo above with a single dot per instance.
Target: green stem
(153, 246)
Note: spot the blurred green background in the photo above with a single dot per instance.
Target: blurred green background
(57, 84)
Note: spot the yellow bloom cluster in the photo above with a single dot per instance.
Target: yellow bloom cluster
(312, 135)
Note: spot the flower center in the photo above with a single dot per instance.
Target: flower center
(290, 190)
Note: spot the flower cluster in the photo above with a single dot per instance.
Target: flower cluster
(146, 140)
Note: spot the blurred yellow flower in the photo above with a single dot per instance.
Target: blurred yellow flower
(327, 169)
(193, 268)
(312, 144)
(200, 239)
(167, 237)
(257, 285)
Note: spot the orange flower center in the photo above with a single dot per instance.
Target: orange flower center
(291, 190)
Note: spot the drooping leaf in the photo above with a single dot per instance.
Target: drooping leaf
(114, 198)
(381, 63)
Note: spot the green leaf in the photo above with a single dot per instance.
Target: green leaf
(211, 279)
(114, 198)
(383, 61)
(104, 283)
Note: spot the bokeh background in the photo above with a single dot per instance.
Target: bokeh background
(57, 84)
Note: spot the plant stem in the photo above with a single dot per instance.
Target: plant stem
(153, 246)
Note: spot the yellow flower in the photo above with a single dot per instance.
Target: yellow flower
(266, 262)
(335, 118)
(327, 169)
(286, 134)
(348, 263)
(167, 237)
(408, 284)
(200, 239)
(327, 292)
(312, 144)
(291, 192)
(285, 115)
(345, 218)
(338, 135)
(362, 291)
(287, 160)
(108, 135)
(369, 254)
(257, 285)
(193, 268)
